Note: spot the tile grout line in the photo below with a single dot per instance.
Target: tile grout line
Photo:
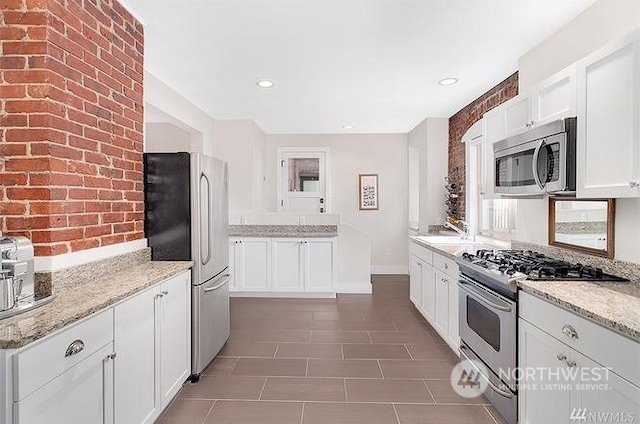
(302, 413)
(208, 412)
(433, 398)
(395, 411)
(380, 368)
(408, 351)
(264, 385)
(306, 368)
(491, 415)
(346, 394)
(275, 353)
(369, 335)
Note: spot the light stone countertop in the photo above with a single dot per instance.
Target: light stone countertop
(612, 305)
(283, 231)
(78, 301)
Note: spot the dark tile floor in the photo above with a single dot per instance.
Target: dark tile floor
(369, 359)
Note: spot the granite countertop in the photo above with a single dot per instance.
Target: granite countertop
(283, 230)
(76, 301)
(613, 305)
(454, 249)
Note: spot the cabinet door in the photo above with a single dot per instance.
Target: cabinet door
(441, 310)
(135, 370)
(604, 394)
(454, 337)
(253, 260)
(493, 130)
(517, 114)
(175, 336)
(82, 394)
(542, 398)
(320, 266)
(233, 268)
(428, 291)
(555, 97)
(287, 265)
(608, 143)
(415, 281)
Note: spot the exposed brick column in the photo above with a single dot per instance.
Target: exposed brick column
(71, 123)
(464, 119)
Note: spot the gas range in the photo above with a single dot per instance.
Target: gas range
(502, 269)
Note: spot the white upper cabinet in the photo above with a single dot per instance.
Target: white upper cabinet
(493, 130)
(554, 98)
(517, 114)
(608, 133)
(549, 100)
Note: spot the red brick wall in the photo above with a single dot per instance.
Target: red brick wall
(71, 123)
(463, 120)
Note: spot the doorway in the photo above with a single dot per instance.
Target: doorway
(303, 180)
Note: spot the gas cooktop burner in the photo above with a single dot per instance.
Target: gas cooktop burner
(520, 264)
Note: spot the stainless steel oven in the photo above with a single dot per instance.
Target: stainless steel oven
(541, 160)
(488, 333)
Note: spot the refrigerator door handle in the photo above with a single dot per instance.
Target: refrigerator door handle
(214, 288)
(206, 260)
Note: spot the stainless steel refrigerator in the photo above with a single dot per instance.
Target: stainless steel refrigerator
(187, 218)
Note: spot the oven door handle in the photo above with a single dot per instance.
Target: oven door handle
(495, 388)
(478, 295)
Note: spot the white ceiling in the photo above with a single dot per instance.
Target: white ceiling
(373, 64)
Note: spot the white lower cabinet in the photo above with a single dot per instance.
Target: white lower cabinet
(152, 341)
(250, 264)
(560, 384)
(82, 394)
(285, 265)
(433, 289)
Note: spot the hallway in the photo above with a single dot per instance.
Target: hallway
(369, 359)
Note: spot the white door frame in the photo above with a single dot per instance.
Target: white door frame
(327, 173)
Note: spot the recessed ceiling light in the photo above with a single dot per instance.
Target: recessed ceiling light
(348, 127)
(448, 81)
(265, 83)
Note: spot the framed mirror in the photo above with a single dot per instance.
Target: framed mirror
(585, 225)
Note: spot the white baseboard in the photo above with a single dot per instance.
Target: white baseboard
(54, 263)
(301, 295)
(389, 269)
(364, 288)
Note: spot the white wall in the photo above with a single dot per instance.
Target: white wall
(241, 144)
(163, 137)
(601, 23)
(353, 154)
(164, 104)
(593, 28)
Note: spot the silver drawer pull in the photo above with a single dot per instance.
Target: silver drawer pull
(569, 331)
(164, 292)
(571, 363)
(112, 356)
(74, 348)
(561, 356)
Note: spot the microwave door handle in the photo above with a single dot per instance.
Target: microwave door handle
(534, 164)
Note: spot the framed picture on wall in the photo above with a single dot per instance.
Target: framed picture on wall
(368, 192)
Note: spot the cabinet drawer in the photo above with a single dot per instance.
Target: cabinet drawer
(423, 253)
(37, 365)
(604, 346)
(446, 265)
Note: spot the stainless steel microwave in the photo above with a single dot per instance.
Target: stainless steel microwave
(540, 160)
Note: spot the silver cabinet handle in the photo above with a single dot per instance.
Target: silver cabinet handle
(561, 356)
(446, 266)
(112, 356)
(569, 331)
(74, 348)
(164, 292)
(634, 184)
(571, 363)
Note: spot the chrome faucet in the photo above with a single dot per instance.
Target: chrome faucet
(464, 232)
